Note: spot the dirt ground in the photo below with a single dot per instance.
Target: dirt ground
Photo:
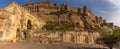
(41, 46)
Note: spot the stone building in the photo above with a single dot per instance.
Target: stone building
(17, 23)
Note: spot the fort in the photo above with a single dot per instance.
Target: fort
(46, 22)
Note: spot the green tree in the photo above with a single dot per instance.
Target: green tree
(110, 39)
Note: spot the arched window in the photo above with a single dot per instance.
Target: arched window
(18, 30)
(29, 25)
(25, 35)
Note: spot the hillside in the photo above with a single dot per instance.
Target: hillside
(65, 17)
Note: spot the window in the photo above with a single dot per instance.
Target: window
(18, 33)
(18, 30)
(25, 35)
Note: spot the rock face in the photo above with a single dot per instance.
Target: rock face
(17, 23)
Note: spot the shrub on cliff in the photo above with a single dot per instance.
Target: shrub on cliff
(56, 26)
(50, 26)
(66, 28)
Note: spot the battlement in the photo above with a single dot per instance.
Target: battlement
(47, 7)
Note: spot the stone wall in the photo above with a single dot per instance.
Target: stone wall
(69, 8)
(64, 36)
(41, 8)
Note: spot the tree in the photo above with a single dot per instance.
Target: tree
(110, 39)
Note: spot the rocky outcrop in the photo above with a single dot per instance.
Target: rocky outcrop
(17, 22)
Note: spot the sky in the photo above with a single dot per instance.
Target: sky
(108, 9)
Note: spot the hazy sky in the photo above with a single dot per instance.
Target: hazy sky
(108, 9)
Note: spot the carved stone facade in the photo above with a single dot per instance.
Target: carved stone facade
(65, 36)
(17, 23)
